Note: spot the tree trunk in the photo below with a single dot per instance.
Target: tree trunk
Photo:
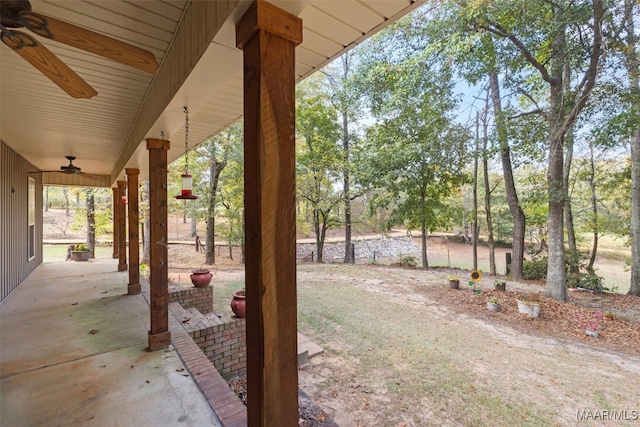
(634, 288)
(475, 194)
(146, 228)
(193, 226)
(487, 198)
(509, 182)
(91, 223)
(594, 209)
(556, 278)
(633, 68)
(573, 261)
(423, 227)
(319, 234)
(348, 255)
(46, 199)
(423, 232)
(215, 168)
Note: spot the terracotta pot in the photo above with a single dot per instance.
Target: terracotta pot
(201, 278)
(500, 286)
(238, 304)
(454, 284)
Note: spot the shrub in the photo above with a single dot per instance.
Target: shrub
(408, 260)
(535, 268)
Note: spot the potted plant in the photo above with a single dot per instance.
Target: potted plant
(80, 252)
(201, 277)
(493, 304)
(454, 281)
(500, 285)
(238, 304)
(529, 304)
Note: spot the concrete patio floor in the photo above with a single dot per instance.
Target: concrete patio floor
(73, 351)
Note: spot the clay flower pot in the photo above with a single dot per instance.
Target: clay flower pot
(201, 278)
(238, 304)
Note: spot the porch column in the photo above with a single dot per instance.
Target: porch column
(116, 200)
(122, 228)
(159, 335)
(268, 37)
(134, 236)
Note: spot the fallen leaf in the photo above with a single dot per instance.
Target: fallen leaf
(365, 404)
(180, 370)
(94, 331)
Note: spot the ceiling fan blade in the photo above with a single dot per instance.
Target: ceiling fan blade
(93, 42)
(48, 64)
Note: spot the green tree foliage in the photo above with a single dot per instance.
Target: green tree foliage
(319, 163)
(414, 157)
(231, 193)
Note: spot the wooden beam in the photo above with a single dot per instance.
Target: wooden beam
(122, 227)
(115, 202)
(268, 37)
(159, 335)
(134, 232)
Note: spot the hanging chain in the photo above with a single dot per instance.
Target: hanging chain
(186, 141)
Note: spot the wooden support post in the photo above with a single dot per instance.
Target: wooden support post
(116, 200)
(268, 37)
(134, 232)
(122, 228)
(159, 335)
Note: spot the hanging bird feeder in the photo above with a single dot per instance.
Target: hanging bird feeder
(187, 179)
(124, 196)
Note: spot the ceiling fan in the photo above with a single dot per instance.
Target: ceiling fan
(71, 169)
(18, 14)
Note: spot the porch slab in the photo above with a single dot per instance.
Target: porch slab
(73, 351)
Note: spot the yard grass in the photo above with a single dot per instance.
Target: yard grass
(416, 365)
(389, 363)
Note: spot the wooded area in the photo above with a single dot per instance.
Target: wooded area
(519, 120)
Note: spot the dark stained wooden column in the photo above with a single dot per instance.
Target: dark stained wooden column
(122, 228)
(116, 200)
(159, 335)
(268, 37)
(134, 232)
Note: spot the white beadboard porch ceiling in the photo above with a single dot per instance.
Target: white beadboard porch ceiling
(106, 133)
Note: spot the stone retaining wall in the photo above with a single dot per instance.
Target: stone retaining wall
(364, 249)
